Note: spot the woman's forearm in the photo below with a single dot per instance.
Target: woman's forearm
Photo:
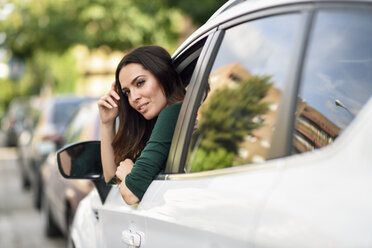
(127, 195)
(107, 152)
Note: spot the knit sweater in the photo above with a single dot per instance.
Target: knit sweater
(154, 156)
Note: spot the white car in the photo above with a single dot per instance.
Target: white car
(282, 156)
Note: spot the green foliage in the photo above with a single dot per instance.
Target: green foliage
(228, 114)
(42, 32)
(57, 25)
(209, 160)
(227, 117)
(198, 10)
(8, 90)
(48, 70)
(65, 73)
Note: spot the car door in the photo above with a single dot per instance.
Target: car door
(122, 225)
(323, 197)
(218, 177)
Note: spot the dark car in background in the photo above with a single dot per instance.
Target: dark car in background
(47, 137)
(61, 196)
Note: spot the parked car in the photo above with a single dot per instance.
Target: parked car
(24, 137)
(61, 196)
(281, 157)
(47, 137)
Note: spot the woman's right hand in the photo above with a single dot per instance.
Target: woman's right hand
(108, 105)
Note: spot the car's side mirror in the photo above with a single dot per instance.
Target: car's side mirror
(81, 160)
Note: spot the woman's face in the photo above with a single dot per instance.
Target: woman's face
(143, 90)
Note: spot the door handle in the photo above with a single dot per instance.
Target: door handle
(95, 214)
(131, 238)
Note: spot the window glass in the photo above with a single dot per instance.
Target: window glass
(337, 78)
(237, 118)
(185, 65)
(83, 126)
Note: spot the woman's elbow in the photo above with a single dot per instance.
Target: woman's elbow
(127, 195)
(107, 178)
(130, 199)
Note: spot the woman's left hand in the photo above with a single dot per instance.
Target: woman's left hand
(124, 168)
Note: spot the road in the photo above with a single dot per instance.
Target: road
(20, 223)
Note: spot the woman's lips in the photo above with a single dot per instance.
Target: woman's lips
(142, 108)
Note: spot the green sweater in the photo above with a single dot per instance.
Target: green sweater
(154, 156)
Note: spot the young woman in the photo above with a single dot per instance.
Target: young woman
(146, 95)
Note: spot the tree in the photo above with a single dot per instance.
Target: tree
(56, 25)
(227, 117)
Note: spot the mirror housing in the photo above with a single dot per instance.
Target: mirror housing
(81, 160)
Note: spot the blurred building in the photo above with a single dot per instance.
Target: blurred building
(312, 129)
(98, 70)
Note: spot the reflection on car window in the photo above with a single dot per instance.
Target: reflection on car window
(337, 78)
(238, 116)
(185, 65)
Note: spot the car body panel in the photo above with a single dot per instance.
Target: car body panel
(314, 199)
(334, 183)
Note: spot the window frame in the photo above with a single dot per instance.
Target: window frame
(282, 136)
(318, 7)
(184, 128)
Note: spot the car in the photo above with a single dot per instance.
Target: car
(25, 137)
(47, 136)
(282, 94)
(60, 196)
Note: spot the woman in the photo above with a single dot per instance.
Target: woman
(146, 95)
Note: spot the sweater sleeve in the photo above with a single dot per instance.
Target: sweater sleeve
(154, 156)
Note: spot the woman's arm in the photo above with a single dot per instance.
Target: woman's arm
(122, 171)
(107, 152)
(154, 156)
(108, 111)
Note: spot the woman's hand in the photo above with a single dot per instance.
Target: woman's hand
(122, 171)
(108, 105)
(124, 168)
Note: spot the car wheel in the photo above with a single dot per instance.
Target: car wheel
(37, 193)
(69, 219)
(25, 180)
(49, 225)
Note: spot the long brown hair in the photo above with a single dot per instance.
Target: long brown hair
(134, 130)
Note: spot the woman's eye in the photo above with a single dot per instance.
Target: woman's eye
(140, 83)
(126, 92)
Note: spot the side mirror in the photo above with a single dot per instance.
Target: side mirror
(81, 160)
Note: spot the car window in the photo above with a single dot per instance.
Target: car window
(337, 78)
(237, 118)
(185, 64)
(83, 125)
(64, 110)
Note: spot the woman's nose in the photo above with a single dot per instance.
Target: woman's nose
(134, 96)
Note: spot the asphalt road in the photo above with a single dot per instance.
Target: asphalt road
(20, 223)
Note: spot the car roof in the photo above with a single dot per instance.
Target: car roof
(236, 8)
